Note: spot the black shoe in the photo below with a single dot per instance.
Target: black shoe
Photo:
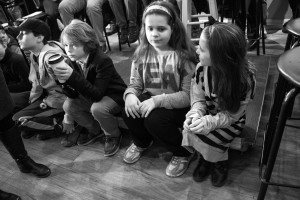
(87, 138)
(202, 170)
(123, 36)
(112, 30)
(27, 134)
(8, 196)
(45, 135)
(112, 145)
(133, 34)
(27, 165)
(219, 173)
(71, 139)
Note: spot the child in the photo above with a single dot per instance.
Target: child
(100, 87)
(157, 97)
(221, 88)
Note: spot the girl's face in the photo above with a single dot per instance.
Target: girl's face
(2, 51)
(203, 51)
(158, 31)
(74, 51)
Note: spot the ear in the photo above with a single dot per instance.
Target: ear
(40, 38)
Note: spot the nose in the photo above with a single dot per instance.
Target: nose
(198, 51)
(155, 33)
(20, 36)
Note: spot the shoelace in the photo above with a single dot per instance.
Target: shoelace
(176, 160)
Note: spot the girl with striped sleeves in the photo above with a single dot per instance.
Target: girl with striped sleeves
(221, 88)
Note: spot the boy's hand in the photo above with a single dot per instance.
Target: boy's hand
(132, 104)
(186, 123)
(68, 128)
(146, 107)
(63, 73)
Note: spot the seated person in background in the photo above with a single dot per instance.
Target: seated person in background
(126, 19)
(68, 8)
(221, 89)
(100, 88)
(12, 141)
(16, 73)
(46, 97)
(11, 42)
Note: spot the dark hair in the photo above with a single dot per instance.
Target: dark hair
(179, 41)
(230, 67)
(81, 33)
(45, 40)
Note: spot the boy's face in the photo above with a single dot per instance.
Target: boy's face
(203, 51)
(74, 51)
(3, 36)
(2, 51)
(28, 41)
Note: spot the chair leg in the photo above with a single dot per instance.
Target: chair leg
(262, 27)
(107, 41)
(276, 141)
(257, 25)
(120, 46)
(279, 94)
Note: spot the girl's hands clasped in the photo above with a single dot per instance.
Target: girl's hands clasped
(132, 106)
(146, 107)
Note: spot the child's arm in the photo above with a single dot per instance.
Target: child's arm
(223, 119)
(136, 81)
(180, 99)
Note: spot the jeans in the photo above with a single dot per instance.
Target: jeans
(161, 124)
(131, 12)
(20, 99)
(94, 116)
(67, 9)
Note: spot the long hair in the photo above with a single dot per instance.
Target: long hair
(179, 41)
(227, 48)
(81, 33)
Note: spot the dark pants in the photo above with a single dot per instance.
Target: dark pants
(11, 138)
(161, 124)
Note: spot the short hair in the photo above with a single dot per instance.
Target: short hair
(81, 33)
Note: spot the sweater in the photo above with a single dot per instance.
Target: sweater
(16, 72)
(165, 78)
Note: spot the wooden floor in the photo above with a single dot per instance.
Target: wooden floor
(84, 173)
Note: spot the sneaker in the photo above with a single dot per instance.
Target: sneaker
(112, 145)
(133, 153)
(45, 135)
(88, 138)
(113, 28)
(133, 34)
(71, 139)
(202, 170)
(219, 173)
(178, 165)
(28, 134)
(123, 36)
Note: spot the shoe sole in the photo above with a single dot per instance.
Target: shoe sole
(181, 173)
(117, 149)
(91, 141)
(39, 176)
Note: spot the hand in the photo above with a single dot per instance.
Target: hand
(132, 104)
(68, 128)
(146, 107)
(63, 73)
(196, 126)
(186, 123)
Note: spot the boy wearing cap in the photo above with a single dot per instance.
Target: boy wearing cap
(11, 43)
(34, 36)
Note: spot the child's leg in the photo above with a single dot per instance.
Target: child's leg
(164, 125)
(138, 132)
(79, 110)
(105, 112)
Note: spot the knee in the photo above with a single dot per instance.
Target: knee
(98, 110)
(63, 7)
(153, 120)
(69, 106)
